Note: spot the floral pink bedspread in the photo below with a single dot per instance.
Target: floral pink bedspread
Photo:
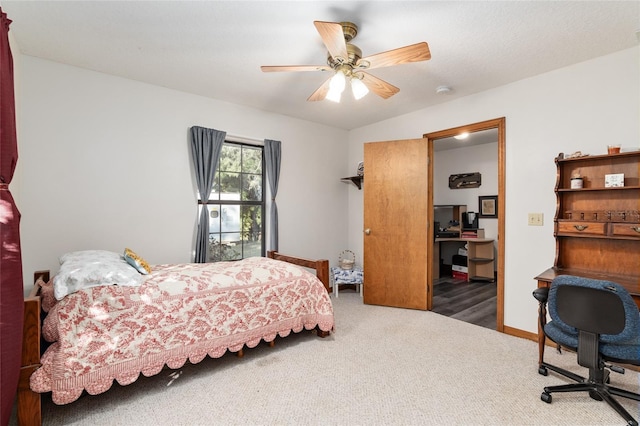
(184, 311)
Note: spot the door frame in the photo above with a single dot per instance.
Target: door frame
(499, 124)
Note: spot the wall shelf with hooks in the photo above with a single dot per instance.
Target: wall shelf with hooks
(356, 180)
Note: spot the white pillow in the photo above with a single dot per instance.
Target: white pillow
(93, 268)
(89, 255)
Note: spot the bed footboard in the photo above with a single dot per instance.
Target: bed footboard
(29, 411)
(321, 266)
(322, 272)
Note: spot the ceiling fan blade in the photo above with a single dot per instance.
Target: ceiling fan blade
(413, 53)
(332, 37)
(378, 86)
(278, 68)
(321, 92)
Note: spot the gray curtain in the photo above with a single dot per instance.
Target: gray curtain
(272, 161)
(206, 145)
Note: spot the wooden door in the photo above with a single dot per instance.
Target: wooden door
(396, 219)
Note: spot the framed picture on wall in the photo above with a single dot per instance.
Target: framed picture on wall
(488, 206)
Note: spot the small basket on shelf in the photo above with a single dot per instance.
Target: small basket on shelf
(346, 259)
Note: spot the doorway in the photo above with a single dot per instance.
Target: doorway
(491, 129)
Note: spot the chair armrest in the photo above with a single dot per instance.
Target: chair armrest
(541, 294)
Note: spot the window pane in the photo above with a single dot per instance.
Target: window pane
(251, 160)
(231, 239)
(250, 247)
(215, 189)
(251, 187)
(252, 222)
(214, 218)
(230, 186)
(230, 219)
(230, 158)
(221, 251)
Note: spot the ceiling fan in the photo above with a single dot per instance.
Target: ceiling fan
(346, 61)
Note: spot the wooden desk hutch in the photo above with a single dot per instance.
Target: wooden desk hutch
(597, 227)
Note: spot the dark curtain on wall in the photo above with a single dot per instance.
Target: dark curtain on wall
(272, 154)
(11, 287)
(206, 145)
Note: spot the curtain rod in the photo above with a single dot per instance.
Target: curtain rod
(242, 139)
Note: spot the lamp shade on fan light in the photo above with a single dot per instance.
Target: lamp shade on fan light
(358, 88)
(336, 86)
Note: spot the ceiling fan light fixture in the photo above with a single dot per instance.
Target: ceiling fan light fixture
(333, 96)
(336, 86)
(358, 88)
(345, 59)
(338, 82)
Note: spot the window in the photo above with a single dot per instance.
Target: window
(236, 204)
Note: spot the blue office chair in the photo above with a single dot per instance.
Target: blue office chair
(600, 321)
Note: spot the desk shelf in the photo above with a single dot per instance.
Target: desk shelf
(481, 259)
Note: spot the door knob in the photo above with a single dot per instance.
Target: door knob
(367, 231)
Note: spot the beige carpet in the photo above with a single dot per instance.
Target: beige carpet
(382, 366)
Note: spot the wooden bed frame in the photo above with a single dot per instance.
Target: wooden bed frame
(29, 409)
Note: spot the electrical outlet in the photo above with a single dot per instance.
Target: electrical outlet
(535, 219)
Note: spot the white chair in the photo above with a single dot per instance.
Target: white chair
(354, 276)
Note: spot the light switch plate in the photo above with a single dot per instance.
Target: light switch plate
(535, 219)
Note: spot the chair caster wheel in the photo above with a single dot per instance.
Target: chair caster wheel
(594, 395)
(546, 397)
(543, 371)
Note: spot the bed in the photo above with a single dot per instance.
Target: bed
(178, 313)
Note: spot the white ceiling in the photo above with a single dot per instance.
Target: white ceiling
(215, 48)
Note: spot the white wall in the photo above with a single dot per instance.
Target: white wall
(581, 107)
(105, 164)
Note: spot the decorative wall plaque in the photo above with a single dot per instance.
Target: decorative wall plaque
(465, 180)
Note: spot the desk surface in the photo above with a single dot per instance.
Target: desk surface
(631, 284)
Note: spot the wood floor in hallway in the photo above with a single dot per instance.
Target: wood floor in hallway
(473, 302)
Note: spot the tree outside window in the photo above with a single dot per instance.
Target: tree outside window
(236, 204)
